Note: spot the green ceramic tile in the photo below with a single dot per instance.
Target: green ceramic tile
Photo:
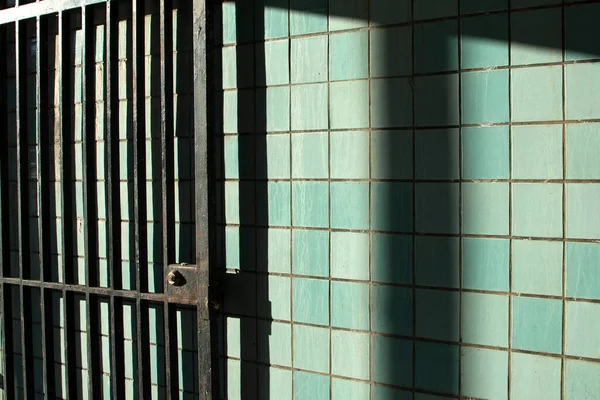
(275, 56)
(349, 104)
(311, 252)
(436, 367)
(278, 343)
(350, 354)
(536, 37)
(436, 45)
(537, 152)
(537, 209)
(485, 152)
(237, 211)
(310, 152)
(349, 205)
(582, 162)
(537, 324)
(583, 281)
(391, 154)
(391, 258)
(581, 379)
(437, 207)
(349, 157)
(309, 107)
(279, 383)
(273, 247)
(274, 297)
(310, 202)
(385, 12)
(484, 39)
(391, 51)
(436, 261)
(230, 26)
(583, 211)
(348, 55)
(472, 6)
(276, 117)
(485, 97)
(437, 314)
(308, 16)
(277, 157)
(535, 377)
(391, 103)
(350, 305)
(275, 17)
(238, 111)
(344, 14)
(428, 9)
(350, 255)
(392, 208)
(276, 211)
(484, 373)
(309, 59)
(392, 310)
(581, 332)
(581, 27)
(485, 264)
(485, 208)
(436, 154)
(343, 389)
(536, 94)
(582, 86)
(311, 348)
(230, 117)
(309, 386)
(392, 361)
(537, 267)
(484, 319)
(310, 301)
(436, 100)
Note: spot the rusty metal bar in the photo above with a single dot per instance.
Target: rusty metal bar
(207, 356)
(166, 136)
(5, 306)
(45, 7)
(23, 199)
(112, 197)
(43, 142)
(139, 198)
(90, 200)
(64, 96)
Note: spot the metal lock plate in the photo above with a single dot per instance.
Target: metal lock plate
(182, 284)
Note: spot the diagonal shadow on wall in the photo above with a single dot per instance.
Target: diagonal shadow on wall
(439, 122)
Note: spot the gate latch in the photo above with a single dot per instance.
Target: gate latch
(184, 284)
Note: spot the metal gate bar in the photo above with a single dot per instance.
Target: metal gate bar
(44, 295)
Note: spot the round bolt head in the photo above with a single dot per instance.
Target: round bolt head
(175, 278)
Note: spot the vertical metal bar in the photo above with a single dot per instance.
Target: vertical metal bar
(206, 360)
(139, 197)
(42, 138)
(23, 197)
(114, 265)
(66, 212)
(6, 307)
(166, 136)
(89, 199)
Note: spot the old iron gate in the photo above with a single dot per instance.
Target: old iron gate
(104, 199)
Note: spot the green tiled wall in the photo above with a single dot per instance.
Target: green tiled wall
(409, 194)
